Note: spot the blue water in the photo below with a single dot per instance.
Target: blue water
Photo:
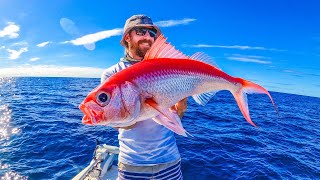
(41, 135)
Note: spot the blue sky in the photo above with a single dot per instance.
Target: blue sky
(273, 43)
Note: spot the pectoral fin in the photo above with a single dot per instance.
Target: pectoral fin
(167, 118)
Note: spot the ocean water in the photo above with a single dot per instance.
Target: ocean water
(41, 135)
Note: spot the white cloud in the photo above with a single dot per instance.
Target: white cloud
(13, 54)
(232, 47)
(21, 43)
(11, 30)
(34, 59)
(43, 44)
(68, 55)
(252, 59)
(89, 40)
(2, 47)
(92, 38)
(170, 23)
(288, 71)
(50, 71)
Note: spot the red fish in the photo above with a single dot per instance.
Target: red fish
(149, 88)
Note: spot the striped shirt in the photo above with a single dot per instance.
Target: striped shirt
(172, 172)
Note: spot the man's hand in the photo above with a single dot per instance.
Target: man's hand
(180, 107)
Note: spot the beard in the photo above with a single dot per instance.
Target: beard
(141, 52)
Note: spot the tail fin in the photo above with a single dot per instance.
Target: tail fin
(241, 97)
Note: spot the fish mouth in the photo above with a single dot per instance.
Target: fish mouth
(92, 112)
(89, 120)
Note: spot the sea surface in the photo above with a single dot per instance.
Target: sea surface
(42, 137)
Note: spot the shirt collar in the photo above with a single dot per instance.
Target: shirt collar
(130, 59)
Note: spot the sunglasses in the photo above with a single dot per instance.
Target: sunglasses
(141, 31)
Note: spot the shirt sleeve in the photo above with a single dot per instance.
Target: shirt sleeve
(112, 70)
(107, 74)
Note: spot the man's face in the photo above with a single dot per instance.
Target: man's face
(140, 41)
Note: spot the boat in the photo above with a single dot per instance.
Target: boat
(101, 165)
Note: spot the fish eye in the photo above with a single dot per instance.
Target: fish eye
(103, 98)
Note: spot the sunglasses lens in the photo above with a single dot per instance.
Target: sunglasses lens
(143, 31)
(140, 31)
(152, 32)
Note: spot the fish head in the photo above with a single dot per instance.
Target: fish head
(115, 105)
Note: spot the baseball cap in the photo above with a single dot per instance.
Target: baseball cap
(138, 21)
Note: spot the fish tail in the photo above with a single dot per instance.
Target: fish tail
(240, 96)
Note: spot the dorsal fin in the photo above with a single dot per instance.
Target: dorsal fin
(162, 49)
(200, 56)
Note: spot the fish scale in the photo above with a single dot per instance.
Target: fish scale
(169, 85)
